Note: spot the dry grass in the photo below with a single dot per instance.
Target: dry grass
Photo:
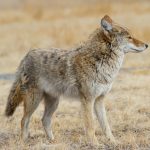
(129, 101)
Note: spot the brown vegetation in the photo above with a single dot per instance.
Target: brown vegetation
(65, 26)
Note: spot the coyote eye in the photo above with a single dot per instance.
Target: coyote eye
(130, 37)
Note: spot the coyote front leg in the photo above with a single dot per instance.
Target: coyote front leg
(101, 115)
(87, 105)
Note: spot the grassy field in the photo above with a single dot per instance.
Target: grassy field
(65, 26)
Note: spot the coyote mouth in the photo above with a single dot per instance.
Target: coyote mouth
(135, 48)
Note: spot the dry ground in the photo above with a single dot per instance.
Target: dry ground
(128, 104)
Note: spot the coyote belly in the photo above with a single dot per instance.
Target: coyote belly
(86, 72)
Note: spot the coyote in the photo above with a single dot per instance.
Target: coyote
(85, 72)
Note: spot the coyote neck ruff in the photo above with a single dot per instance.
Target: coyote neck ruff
(100, 57)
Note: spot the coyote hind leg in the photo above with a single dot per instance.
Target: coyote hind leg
(51, 104)
(31, 102)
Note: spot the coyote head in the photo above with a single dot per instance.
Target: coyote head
(121, 37)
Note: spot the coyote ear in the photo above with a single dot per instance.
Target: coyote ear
(106, 23)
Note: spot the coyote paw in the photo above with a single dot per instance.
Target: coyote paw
(25, 137)
(52, 141)
(50, 137)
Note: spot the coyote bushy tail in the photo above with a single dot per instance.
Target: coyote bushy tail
(16, 95)
(14, 98)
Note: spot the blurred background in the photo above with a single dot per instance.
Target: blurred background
(28, 24)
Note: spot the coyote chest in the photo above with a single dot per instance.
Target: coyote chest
(96, 89)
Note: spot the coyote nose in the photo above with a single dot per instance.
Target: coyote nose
(146, 45)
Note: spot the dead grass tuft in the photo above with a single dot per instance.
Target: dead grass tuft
(61, 25)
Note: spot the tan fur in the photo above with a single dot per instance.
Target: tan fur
(86, 72)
